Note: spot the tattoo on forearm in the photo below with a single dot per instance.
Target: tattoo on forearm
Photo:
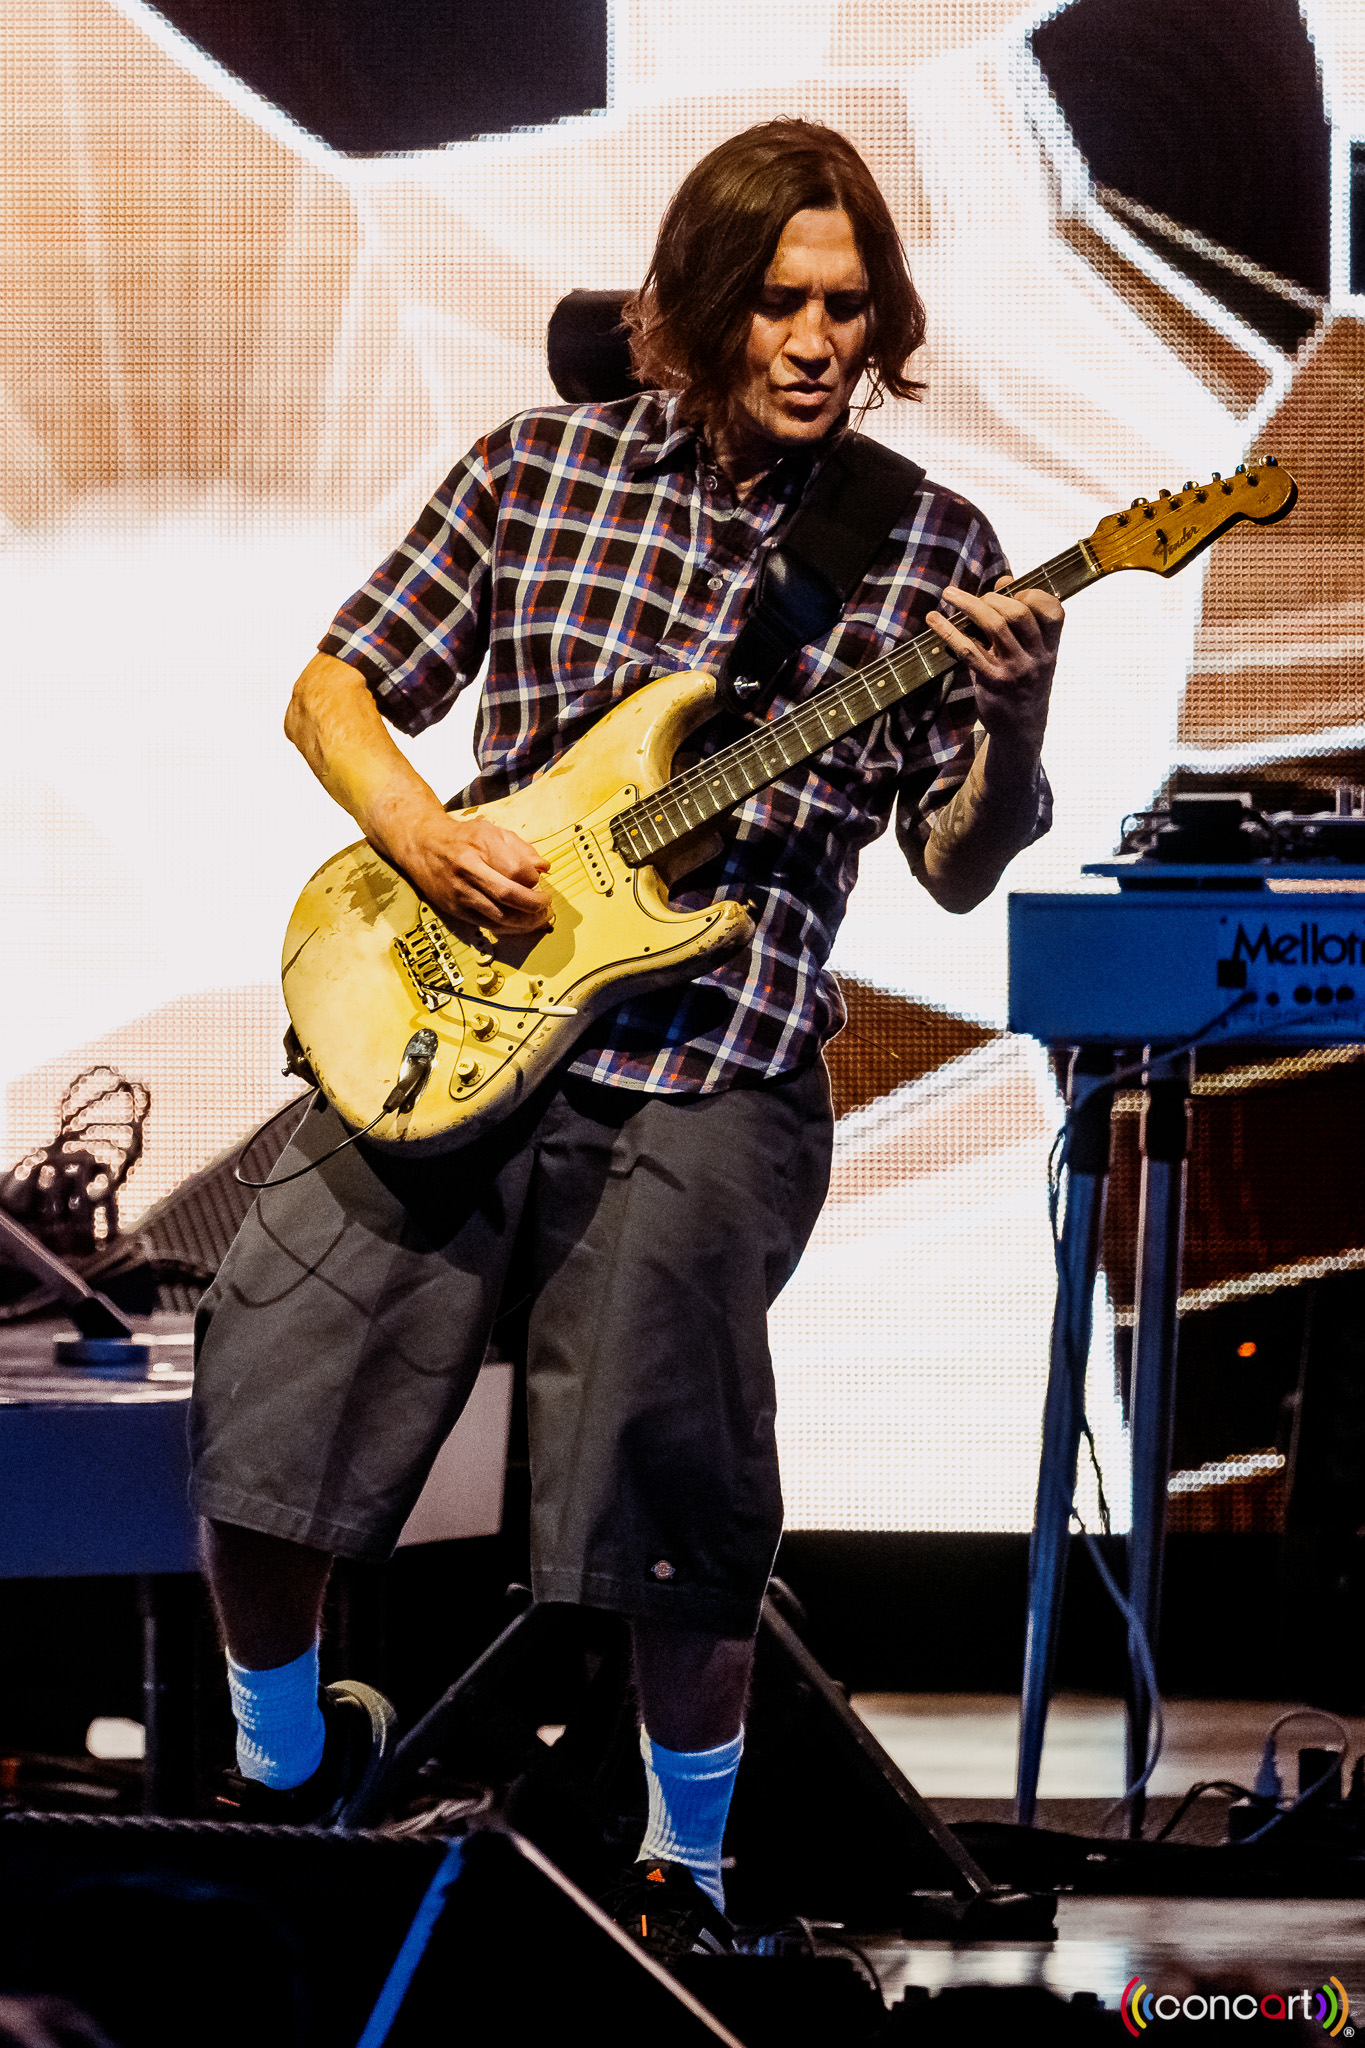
(977, 835)
(955, 820)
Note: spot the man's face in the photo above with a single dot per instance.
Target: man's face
(807, 340)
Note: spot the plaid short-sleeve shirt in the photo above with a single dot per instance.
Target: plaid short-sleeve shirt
(585, 551)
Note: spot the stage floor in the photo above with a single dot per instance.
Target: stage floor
(959, 1751)
(1172, 1945)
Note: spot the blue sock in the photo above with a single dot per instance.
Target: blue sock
(689, 1801)
(280, 1729)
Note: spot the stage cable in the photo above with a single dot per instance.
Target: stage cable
(1268, 1785)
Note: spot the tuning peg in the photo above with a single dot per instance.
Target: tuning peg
(1165, 494)
(1136, 502)
(1240, 470)
(1271, 461)
(1188, 484)
(1218, 476)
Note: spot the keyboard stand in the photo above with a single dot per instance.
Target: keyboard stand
(1167, 1081)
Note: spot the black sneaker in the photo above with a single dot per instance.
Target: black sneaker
(340, 1793)
(661, 1905)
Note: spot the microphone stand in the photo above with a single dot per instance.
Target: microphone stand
(107, 1340)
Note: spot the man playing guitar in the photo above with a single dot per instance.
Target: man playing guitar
(652, 1198)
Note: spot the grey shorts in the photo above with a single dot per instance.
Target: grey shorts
(650, 1233)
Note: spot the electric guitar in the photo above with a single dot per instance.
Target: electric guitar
(430, 1032)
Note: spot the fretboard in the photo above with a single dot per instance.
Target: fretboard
(692, 799)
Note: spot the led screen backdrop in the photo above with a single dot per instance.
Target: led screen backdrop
(236, 354)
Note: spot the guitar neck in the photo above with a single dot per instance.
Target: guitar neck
(691, 800)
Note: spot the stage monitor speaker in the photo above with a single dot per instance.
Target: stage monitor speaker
(210, 1932)
(506, 1949)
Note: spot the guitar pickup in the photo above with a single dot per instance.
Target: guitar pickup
(431, 966)
(594, 860)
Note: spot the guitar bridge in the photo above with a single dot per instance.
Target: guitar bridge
(425, 953)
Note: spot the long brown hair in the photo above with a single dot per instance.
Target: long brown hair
(689, 321)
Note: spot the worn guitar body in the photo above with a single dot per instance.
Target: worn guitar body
(366, 963)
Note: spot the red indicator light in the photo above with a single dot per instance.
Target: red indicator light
(1247, 1350)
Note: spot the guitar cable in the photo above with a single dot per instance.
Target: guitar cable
(536, 1009)
(270, 1180)
(419, 1056)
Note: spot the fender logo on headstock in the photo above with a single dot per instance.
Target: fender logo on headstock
(1165, 544)
(1258, 490)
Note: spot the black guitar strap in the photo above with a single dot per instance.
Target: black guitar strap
(861, 494)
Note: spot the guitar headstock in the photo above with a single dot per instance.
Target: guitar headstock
(1165, 533)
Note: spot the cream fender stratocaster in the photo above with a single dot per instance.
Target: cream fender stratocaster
(389, 1004)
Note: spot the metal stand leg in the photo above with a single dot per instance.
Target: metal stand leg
(509, 1662)
(1161, 1224)
(905, 1810)
(1090, 1098)
(169, 1607)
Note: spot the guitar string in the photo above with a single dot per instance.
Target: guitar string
(866, 683)
(850, 701)
(680, 791)
(854, 699)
